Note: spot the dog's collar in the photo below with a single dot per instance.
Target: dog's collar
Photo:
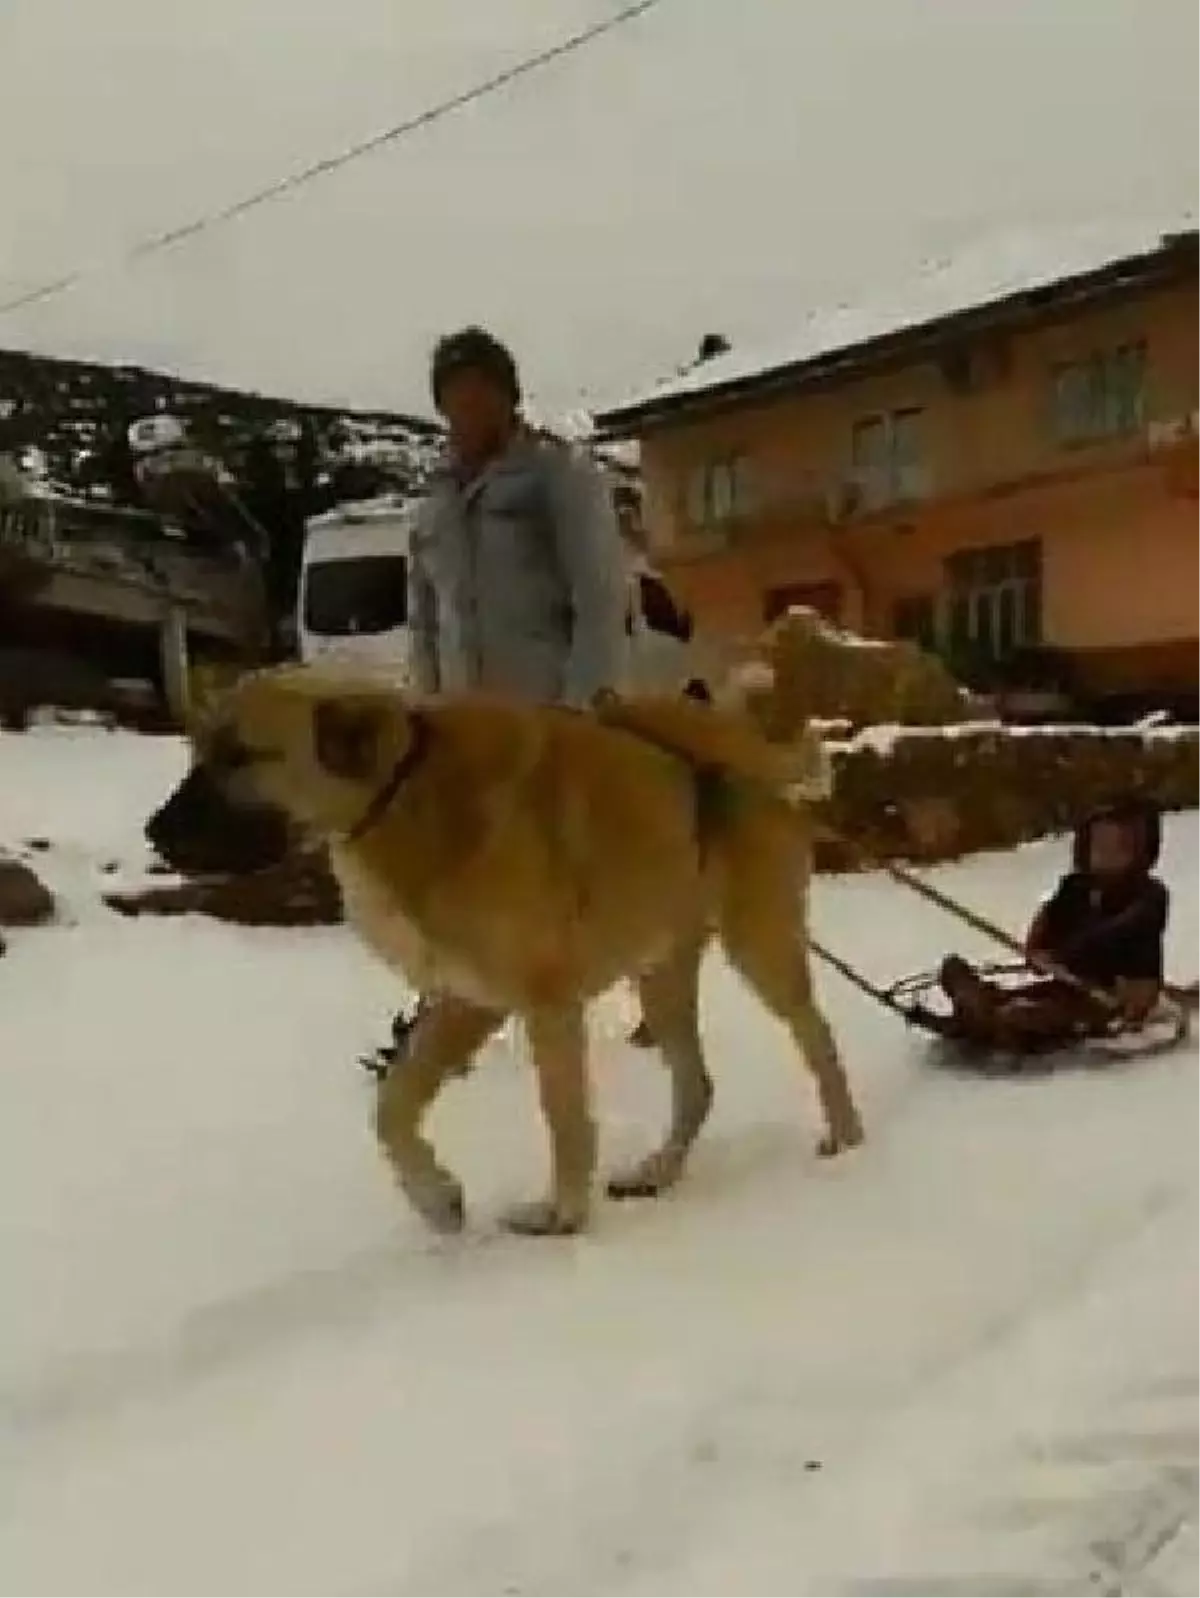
(420, 733)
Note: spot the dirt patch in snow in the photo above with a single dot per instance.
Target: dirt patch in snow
(25, 901)
(299, 893)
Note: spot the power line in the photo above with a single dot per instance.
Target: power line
(319, 169)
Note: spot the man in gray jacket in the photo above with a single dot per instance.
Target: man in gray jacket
(518, 573)
(519, 578)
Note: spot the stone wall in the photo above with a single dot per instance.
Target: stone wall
(904, 793)
(936, 793)
(803, 668)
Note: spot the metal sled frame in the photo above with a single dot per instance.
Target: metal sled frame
(1164, 1029)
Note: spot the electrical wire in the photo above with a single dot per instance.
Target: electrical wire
(157, 242)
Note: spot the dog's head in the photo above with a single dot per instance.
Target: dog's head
(286, 751)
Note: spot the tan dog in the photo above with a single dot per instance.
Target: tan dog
(522, 860)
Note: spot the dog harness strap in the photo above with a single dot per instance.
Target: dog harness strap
(405, 767)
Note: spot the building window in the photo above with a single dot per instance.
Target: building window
(887, 459)
(915, 619)
(1102, 396)
(718, 492)
(993, 605)
(824, 598)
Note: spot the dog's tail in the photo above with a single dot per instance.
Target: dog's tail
(726, 744)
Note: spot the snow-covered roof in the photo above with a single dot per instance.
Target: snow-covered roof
(573, 426)
(379, 508)
(624, 454)
(985, 274)
(377, 451)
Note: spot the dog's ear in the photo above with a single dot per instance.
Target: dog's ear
(346, 736)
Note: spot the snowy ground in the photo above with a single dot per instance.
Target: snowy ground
(962, 1360)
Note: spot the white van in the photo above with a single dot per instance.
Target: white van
(352, 603)
(353, 599)
(663, 649)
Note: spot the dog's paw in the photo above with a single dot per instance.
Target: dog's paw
(647, 1179)
(631, 1185)
(543, 1218)
(848, 1137)
(440, 1204)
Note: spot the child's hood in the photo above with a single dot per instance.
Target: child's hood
(1140, 816)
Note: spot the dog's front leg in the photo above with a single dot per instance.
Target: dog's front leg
(558, 1041)
(446, 1034)
(670, 1004)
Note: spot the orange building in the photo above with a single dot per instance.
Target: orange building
(1004, 466)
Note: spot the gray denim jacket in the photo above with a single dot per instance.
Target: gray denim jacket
(518, 580)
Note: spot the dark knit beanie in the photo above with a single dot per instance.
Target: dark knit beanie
(474, 350)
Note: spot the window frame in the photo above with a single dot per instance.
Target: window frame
(1109, 398)
(717, 492)
(884, 473)
(992, 601)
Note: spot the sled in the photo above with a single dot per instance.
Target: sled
(918, 1000)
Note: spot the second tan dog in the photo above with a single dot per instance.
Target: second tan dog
(522, 860)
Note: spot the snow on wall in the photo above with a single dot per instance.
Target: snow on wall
(884, 737)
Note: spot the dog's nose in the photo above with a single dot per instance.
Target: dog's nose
(159, 828)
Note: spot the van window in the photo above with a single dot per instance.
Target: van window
(661, 612)
(366, 594)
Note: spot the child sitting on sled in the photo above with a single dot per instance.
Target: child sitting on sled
(1103, 926)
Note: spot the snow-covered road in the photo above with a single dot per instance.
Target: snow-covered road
(962, 1360)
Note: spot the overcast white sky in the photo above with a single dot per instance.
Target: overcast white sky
(719, 164)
